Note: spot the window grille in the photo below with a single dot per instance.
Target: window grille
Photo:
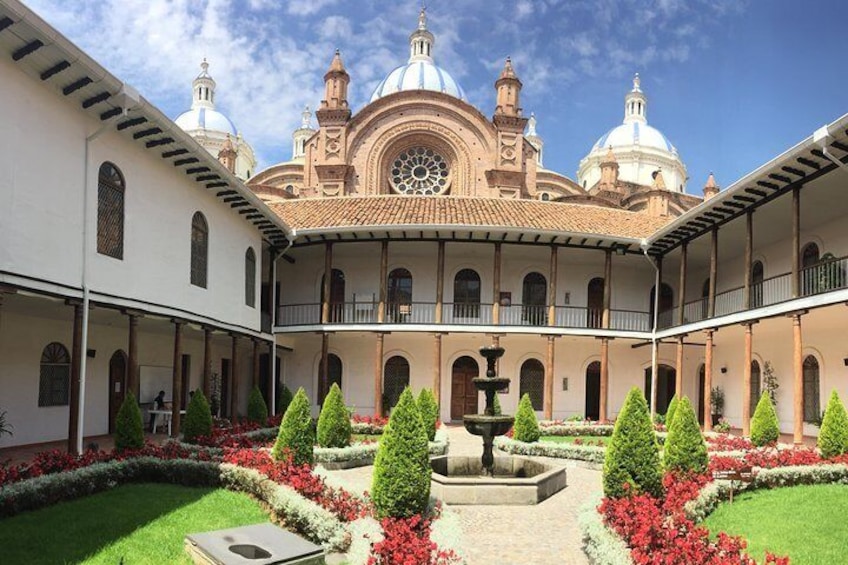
(466, 294)
(199, 250)
(250, 277)
(110, 211)
(395, 380)
(532, 382)
(55, 376)
(812, 408)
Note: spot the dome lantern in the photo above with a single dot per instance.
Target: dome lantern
(421, 41)
(203, 89)
(636, 103)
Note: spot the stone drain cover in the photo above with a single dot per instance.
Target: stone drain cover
(260, 544)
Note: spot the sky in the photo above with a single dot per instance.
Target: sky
(732, 83)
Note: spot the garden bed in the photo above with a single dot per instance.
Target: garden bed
(362, 454)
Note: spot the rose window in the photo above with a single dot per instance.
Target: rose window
(420, 171)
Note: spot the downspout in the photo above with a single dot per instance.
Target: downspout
(272, 360)
(820, 136)
(644, 245)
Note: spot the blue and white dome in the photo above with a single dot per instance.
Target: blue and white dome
(420, 72)
(634, 133)
(205, 118)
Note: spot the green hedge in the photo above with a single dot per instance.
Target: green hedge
(198, 421)
(670, 412)
(129, 429)
(632, 456)
(833, 437)
(526, 427)
(297, 435)
(334, 429)
(429, 410)
(257, 410)
(685, 449)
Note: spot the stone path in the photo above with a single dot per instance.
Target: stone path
(544, 534)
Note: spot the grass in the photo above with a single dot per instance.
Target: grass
(365, 437)
(570, 439)
(133, 524)
(804, 522)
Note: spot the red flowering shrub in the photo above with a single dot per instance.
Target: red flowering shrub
(377, 421)
(407, 542)
(726, 442)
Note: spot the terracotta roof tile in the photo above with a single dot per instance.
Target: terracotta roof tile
(320, 214)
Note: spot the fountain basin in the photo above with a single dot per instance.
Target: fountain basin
(483, 425)
(516, 481)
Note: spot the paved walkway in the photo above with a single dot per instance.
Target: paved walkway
(544, 534)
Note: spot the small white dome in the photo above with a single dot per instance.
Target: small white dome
(419, 75)
(205, 118)
(634, 133)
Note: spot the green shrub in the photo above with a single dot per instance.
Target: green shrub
(765, 428)
(198, 420)
(526, 427)
(685, 449)
(297, 436)
(632, 456)
(429, 411)
(129, 430)
(257, 410)
(284, 398)
(671, 411)
(334, 428)
(833, 437)
(401, 483)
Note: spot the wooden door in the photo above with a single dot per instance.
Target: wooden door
(463, 393)
(224, 400)
(593, 391)
(117, 385)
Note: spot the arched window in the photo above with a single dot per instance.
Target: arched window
(533, 299)
(110, 211)
(55, 376)
(395, 380)
(810, 278)
(199, 250)
(532, 382)
(466, 294)
(755, 385)
(595, 302)
(250, 277)
(333, 374)
(810, 255)
(666, 303)
(757, 284)
(399, 295)
(812, 407)
(545, 196)
(337, 295)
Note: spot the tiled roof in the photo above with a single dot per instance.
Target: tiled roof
(320, 214)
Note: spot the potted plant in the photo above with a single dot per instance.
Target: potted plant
(717, 404)
(5, 427)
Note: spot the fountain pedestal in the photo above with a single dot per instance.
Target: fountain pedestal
(488, 424)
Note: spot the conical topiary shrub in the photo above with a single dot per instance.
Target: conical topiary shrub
(633, 456)
(670, 412)
(257, 410)
(765, 428)
(284, 398)
(833, 437)
(526, 427)
(401, 483)
(198, 418)
(296, 436)
(129, 430)
(685, 450)
(334, 429)
(429, 411)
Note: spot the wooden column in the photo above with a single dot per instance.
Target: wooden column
(552, 290)
(271, 391)
(605, 315)
(798, 369)
(681, 290)
(132, 356)
(207, 362)
(384, 275)
(322, 376)
(378, 376)
(328, 278)
(749, 254)
(437, 368)
(549, 380)
(74, 393)
(678, 369)
(234, 381)
(255, 363)
(603, 416)
(708, 382)
(496, 286)
(177, 381)
(272, 286)
(796, 242)
(440, 281)
(713, 270)
(746, 381)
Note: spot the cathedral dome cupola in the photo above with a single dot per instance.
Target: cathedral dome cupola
(203, 115)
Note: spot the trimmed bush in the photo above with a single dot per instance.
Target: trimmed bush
(632, 462)
(284, 398)
(685, 450)
(257, 410)
(429, 411)
(672, 410)
(297, 435)
(198, 421)
(401, 483)
(129, 430)
(526, 427)
(334, 427)
(833, 437)
(765, 428)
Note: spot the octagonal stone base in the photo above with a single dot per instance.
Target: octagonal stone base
(517, 481)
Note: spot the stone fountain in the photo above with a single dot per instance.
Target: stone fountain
(490, 479)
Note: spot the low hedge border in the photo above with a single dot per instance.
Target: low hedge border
(592, 455)
(366, 428)
(363, 454)
(578, 429)
(602, 545)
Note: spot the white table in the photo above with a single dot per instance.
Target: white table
(165, 414)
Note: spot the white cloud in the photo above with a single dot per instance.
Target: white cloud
(307, 7)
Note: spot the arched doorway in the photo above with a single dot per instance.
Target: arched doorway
(665, 386)
(533, 298)
(466, 294)
(757, 284)
(532, 382)
(332, 375)
(117, 385)
(593, 391)
(595, 302)
(702, 379)
(463, 393)
(395, 380)
(755, 386)
(399, 295)
(337, 295)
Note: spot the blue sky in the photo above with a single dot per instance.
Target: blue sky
(732, 83)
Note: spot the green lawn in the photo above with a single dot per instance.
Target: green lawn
(133, 524)
(570, 439)
(805, 522)
(365, 437)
